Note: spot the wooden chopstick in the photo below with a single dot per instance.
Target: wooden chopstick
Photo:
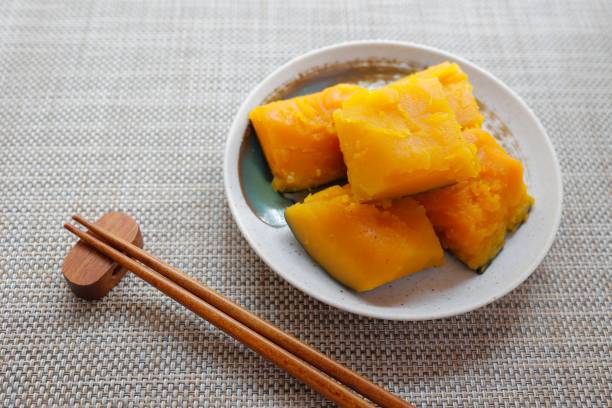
(301, 370)
(254, 322)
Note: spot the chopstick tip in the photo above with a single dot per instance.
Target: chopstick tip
(82, 221)
(71, 228)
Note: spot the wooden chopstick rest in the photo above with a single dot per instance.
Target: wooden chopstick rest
(92, 275)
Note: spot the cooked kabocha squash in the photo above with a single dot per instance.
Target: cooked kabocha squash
(362, 245)
(458, 90)
(299, 140)
(472, 217)
(402, 140)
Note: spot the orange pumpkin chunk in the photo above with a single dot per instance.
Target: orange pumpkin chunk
(361, 245)
(402, 139)
(299, 140)
(472, 217)
(457, 89)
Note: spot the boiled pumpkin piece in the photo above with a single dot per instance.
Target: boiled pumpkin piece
(472, 217)
(299, 139)
(458, 90)
(402, 140)
(364, 246)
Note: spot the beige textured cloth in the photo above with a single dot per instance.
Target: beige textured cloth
(125, 105)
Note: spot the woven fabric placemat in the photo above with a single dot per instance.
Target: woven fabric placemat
(125, 105)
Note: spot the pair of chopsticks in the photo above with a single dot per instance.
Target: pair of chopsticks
(296, 358)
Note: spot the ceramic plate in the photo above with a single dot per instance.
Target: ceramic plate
(429, 294)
